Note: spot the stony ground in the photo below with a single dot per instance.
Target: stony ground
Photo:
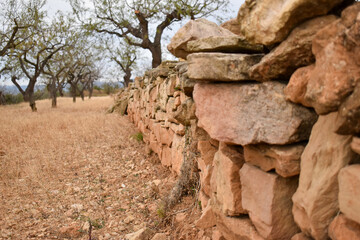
(65, 171)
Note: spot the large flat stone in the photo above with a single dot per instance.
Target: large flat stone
(228, 44)
(267, 198)
(245, 114)
(292, 53)
(316, 199)
(342, 228)
(194, 29)
(270, 21)
(285, 159)
(349, 192)
(221, 66)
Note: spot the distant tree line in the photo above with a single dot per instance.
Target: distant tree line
(71, 49)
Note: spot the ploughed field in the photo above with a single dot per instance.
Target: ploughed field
(67, 170)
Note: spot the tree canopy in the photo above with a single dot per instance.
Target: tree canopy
(142, 22)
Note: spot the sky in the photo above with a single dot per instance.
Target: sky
(53, 5)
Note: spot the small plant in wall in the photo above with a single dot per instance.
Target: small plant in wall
(177, 88)
(138, 137)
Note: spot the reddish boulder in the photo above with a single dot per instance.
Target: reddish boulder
(316, 199)
(296, 89)
(337, 68)
(348, 118)
(349, 192)
(207, 219)
(267, 198)
(342, 228)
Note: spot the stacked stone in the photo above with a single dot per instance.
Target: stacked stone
(259, 112)
(160, 108)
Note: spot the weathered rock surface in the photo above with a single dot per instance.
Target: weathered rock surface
(296, 89)
(207, 218)
(221, 66)
(159, 236)
(261, 25)
(348, 118)
(316, 199)
(233, 26)
(251, 113)
(337, 69)
(228, 161)
(342, 228)
(207, 151)
(229, 44)
(355, 145)
(300, 236)
(142, 234)
(349, 187)
(194, 29)
(267, 197)
(235, 228)
(177, 153)
(292, 53)
(285, 159)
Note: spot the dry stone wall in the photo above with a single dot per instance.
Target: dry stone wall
(271, 103)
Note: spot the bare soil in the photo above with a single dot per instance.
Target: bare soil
(67, 170)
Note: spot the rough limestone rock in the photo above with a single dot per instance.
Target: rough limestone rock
(159, 236)
(207, 219)
(194, 29)
(267, 197)
(348, 118)
(292, 53)
(233, 26)
(270, 21)
(177, 153)
(251, 113)
(355, 145)
(296, 89)
(300, 236)
(142, 234)
(316, 199)
(207, 151)
(337, 69)
(285, 159)
(228, 161)
(233, 228)
(229, 44)
(342, 228)
(221, 66)
(349, 192)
